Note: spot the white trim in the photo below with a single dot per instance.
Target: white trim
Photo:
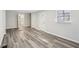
(60, 36)
(65, 38)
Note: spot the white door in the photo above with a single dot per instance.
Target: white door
(20, 21)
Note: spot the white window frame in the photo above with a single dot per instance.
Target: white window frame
(63, 16)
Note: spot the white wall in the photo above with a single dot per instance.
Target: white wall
(27, 19)
(2, 24)
(35, 20)
(11, 19)
(45, 20)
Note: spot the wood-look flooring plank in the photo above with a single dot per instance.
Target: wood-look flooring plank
(32, 38)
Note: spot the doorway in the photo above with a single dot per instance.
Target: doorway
(21, 22)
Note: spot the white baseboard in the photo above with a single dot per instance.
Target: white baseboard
(61, 36)
(65, 38)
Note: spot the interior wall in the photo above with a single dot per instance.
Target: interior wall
(2, 25)
(27, 19)
(11, 19)
(46, 21)
(35, 20)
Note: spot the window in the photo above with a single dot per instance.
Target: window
(63, 16)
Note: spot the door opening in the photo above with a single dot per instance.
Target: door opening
(20, 21)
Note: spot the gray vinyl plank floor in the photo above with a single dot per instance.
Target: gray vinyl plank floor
(32, 38)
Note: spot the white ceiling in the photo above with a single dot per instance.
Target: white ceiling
(26, 11)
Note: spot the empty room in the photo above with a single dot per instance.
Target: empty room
(39, 28)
